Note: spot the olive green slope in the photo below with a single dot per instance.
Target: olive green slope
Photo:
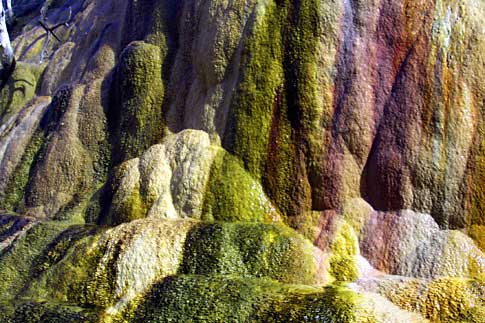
(166, 270)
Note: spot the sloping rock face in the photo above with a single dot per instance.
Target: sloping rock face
(244, 161)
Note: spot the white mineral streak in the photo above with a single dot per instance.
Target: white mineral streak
(171, 176)
(150, 250)
(17, 234)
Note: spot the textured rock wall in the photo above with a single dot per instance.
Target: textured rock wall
(323, 101)
(244, 160)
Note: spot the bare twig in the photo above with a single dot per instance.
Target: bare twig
(50, 31)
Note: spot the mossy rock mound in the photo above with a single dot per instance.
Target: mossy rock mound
(154, 270)
(186, 176)
(94, 266)
(250, 250)
(20, 258)
(444, 299)
(232, 194)
(19, 89)
(43, 312)
(138, 97)
(231, 299)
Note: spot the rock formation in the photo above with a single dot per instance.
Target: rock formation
(244, 161)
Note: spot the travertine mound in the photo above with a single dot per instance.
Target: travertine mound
(244, 161)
